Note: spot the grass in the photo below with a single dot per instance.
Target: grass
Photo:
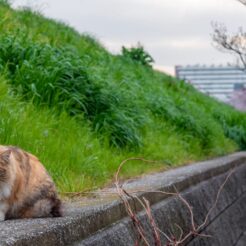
(72, 153)
(82, 110)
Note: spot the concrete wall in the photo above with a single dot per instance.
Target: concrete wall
(226, 225)
(103, 221)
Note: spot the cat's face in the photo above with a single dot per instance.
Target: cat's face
(4, 166)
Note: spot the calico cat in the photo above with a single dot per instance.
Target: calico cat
(26, 189)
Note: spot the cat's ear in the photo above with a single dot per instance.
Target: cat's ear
(4, 157)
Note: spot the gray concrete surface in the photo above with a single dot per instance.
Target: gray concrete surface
(225, 224)
(102, 220)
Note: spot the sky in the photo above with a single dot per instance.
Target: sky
(174, 32)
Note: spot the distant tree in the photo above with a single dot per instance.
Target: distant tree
(232, 43)
(243, 2)
(236, 45)
(138, 54)
(238, 99)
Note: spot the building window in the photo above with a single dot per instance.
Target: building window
(238, 86)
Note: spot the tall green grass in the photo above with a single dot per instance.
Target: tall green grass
(58, 78)
(71, 152)
(82, 110)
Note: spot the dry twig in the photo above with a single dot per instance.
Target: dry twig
(145, 204)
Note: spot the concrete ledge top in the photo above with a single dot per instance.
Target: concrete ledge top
(203, 170)
(87, 215)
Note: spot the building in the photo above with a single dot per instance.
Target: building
(218, 81)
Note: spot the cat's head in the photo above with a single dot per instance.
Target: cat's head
(4, 165)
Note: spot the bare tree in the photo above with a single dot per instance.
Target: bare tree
(243, 2)
(236, 45)
(232, 43)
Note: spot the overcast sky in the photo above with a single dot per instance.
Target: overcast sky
(174, 32)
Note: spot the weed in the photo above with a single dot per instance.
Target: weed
(65, 98)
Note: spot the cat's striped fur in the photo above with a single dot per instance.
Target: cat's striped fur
(26, 189)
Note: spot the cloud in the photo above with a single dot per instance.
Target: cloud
(173, 31)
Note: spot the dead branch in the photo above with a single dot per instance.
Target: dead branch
(231, 43)
(215, 202)
(145, 204)
(243, 2)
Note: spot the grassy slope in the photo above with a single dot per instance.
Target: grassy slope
(122, 110)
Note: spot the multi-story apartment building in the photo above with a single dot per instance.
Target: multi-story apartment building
(218, 81)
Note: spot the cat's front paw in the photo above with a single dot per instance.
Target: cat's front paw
(2, 216)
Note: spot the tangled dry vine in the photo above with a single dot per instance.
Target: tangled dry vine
(142, 237)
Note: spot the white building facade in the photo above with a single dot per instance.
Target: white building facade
(217, 81)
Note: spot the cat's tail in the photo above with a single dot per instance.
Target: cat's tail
(57, 208)
(47, 207)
